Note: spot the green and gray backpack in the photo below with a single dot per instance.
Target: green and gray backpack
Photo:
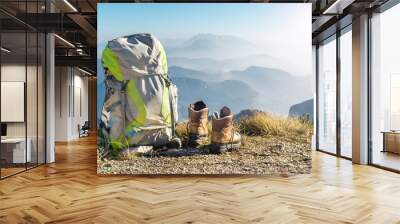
(140, 106)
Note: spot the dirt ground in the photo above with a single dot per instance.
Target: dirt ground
(270, 155)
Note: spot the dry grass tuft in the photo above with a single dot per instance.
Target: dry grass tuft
(182, 131)
(262, 124)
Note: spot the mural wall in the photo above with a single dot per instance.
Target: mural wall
(204, 89)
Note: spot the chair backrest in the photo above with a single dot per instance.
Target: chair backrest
(86, 125)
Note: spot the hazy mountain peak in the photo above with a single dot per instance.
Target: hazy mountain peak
(177, 71)
(211, 36)
(215, 39)
(263, 70)
(214, 46)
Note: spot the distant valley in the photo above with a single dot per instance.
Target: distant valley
(235, 94)
(270, 90)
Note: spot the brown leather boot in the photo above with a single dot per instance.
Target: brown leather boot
(223, 137)
(198, 119)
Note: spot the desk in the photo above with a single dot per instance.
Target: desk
(13, 150)
(391, 141)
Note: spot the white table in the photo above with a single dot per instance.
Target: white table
(18, 149)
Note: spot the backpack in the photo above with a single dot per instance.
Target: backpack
(140, 105)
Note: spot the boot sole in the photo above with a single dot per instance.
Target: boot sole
(222, 148)
(197, 140)
(174, 143)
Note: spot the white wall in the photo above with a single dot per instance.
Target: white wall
(80, 103)
(61, 103)
(71, 94)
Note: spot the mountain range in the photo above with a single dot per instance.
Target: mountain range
(221, 53)
(213, 46)
(224, 65)
(305, 107)
(272, 90)
(227, 70)
(267, 89)
(180, 72)
(278, 90)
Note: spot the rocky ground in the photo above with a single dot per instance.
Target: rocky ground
(269, 155)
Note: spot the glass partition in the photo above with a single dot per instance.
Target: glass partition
(327, 96)
(346, 93)
(385, 89)
(22, 78)
(14, 153)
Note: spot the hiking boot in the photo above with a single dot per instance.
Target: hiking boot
(223, 137)
(198, 119)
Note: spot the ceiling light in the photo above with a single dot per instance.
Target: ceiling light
(5, 50)
(84, 71)
(64, 40)
(79, 51)
(70, 5)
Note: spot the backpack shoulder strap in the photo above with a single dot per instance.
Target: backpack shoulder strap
(168, 82)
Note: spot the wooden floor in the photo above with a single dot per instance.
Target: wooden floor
(70, 191)
(5, 172)
(387, 159)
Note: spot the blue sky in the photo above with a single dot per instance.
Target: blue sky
(120, 19)
(283, 30)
